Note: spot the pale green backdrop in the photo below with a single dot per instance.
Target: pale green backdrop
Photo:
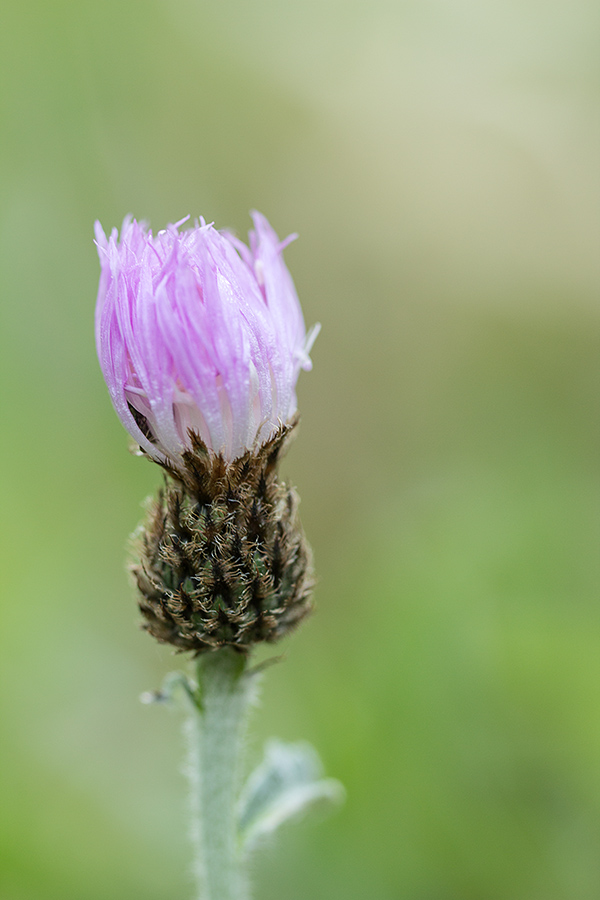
(440, 162)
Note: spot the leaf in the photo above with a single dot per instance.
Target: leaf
(286, 784)
(176, 687)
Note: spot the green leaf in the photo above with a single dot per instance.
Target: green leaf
(286, 784)
(175, 688)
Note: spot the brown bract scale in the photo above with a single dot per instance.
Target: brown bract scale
(222, 558)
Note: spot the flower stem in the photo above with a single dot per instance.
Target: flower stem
(217, 730)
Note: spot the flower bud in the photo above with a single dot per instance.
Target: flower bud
(201, 340)
(222, 558)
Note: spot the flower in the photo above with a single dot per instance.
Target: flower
(199, 334)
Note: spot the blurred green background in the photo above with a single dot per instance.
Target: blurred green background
(440, 162)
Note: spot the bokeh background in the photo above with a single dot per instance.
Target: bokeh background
(440, 162)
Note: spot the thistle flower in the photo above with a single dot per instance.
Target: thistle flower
(201, 340)
(198, 333)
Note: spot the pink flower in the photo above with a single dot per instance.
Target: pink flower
(196, 331)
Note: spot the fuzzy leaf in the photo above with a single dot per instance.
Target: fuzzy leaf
(286, 784)
(176, 688)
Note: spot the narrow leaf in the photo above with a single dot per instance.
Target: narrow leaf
(286, 784)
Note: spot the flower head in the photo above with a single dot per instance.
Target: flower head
(198, 333)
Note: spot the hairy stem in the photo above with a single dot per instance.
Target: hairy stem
(217, 730)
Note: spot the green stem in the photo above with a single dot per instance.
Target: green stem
(217, 731)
